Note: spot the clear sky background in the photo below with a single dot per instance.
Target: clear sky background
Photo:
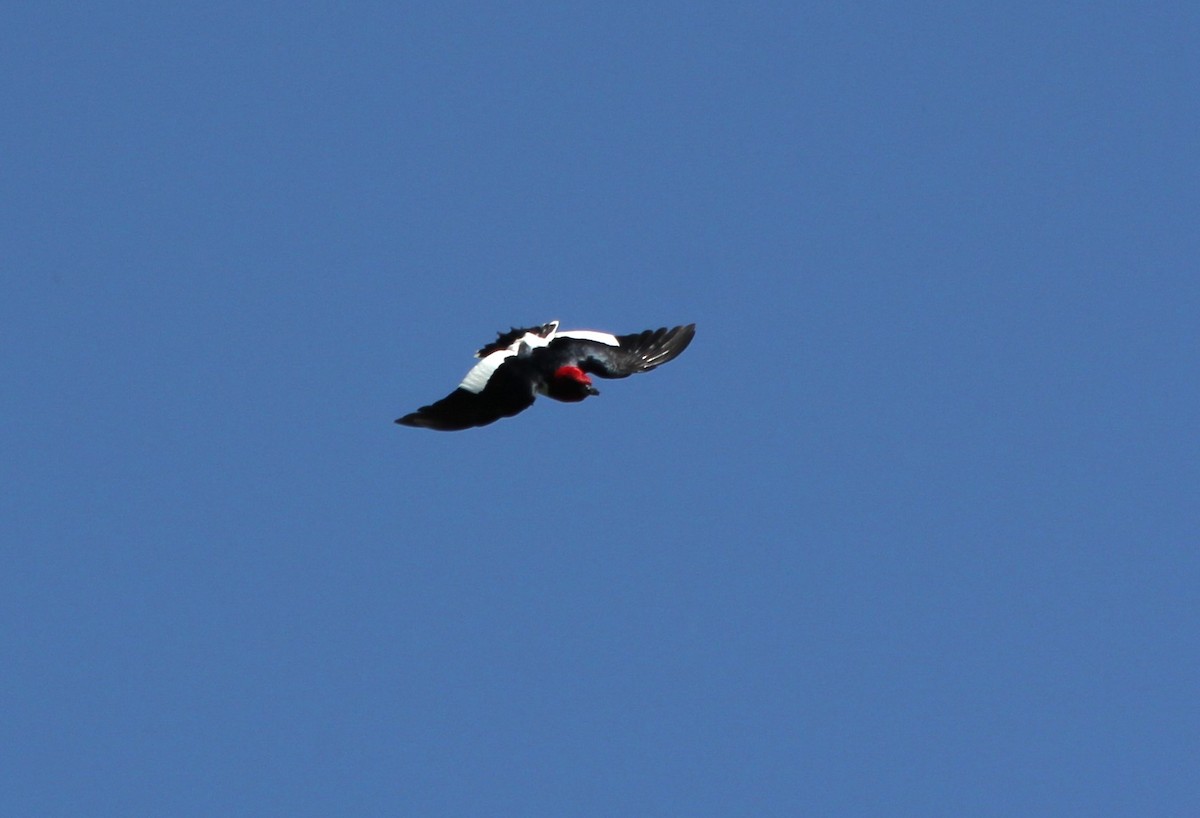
(910, 530)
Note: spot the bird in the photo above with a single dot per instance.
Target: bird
(524, 363)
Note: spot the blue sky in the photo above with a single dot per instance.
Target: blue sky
(910, 529)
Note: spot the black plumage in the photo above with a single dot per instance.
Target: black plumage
(523, 363)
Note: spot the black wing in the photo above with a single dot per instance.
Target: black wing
(507, 392)
(505, 339)
(635, 353)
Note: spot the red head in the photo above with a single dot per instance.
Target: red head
(573, 373)
(570, 383)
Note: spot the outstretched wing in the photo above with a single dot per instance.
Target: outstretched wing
(505, 340)
(619, 356)
(505, 393)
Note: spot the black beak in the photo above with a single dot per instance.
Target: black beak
(593, 390)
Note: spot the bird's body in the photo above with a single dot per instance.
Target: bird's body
(524, 363)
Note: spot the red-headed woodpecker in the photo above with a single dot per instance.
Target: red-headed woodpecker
(523, 363)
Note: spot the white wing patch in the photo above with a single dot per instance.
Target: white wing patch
(478, 377)
(531, 340)
(590, 335)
